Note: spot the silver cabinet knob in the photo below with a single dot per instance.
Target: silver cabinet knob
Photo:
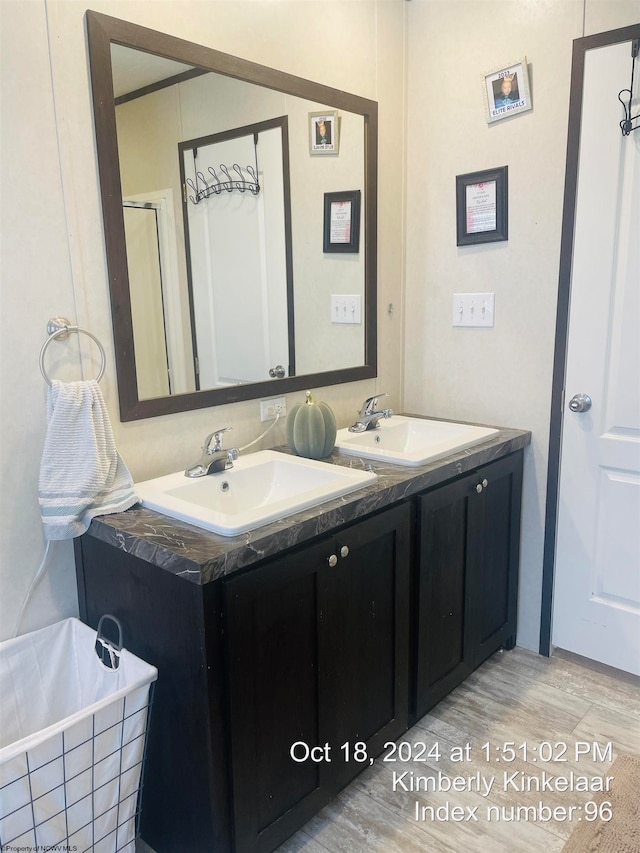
(332, 560)
(580, 403)
(481, 486)
(344, 551)
(277, 372)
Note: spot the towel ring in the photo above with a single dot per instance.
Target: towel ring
(58, 328)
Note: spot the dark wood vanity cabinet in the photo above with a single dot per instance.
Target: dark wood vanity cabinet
(177, 626)
(466, 576)
(329, 645)
(317, 645)
(310, 646)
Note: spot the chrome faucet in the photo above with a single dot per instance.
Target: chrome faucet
(368, 416)
(214, 457)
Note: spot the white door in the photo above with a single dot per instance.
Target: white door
(597, 581)
(238, 266)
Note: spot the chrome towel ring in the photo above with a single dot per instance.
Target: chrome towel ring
(59, 328)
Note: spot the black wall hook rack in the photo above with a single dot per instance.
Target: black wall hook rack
(630, 122)
(218, 184)
(225, 182)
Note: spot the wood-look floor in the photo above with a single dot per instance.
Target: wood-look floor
(516, 697)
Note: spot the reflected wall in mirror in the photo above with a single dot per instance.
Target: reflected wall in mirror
(228, 298)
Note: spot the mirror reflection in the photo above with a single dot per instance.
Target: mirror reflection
(238, 246)
(222, 204)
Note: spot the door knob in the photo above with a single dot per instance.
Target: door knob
(580, 403)
(277, 372)
(344, 551)
(332, 560)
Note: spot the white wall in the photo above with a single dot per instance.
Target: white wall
(501, 375)
(35, 284)
(53, 251)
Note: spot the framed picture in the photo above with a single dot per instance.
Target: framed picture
(341, 222)
(324, 133)
(506, 91)
(482, 207)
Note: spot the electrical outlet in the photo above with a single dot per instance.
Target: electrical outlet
(473, 309)
(270, 408)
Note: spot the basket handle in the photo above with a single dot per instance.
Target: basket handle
(108, 651)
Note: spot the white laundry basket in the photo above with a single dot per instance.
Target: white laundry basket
(72, 741)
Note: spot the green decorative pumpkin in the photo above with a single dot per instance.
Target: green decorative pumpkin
(311, 429)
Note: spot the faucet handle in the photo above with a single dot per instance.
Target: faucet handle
(371, 402)
(217, 440)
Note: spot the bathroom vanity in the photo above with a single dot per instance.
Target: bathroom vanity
(289, 656)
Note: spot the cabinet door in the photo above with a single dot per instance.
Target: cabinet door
(318, 655)
(467, 581)
(442, 633)
(365, 641)
(274, 684)
(494, 546)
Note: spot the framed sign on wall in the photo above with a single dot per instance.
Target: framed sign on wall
(341, 231)
(482, 207)
(506, 91)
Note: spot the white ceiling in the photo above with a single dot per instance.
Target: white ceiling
(133, 69)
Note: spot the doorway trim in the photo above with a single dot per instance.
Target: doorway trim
(580, 47)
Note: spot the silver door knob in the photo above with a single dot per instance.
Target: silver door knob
(580, 403)
(332, 560)
(277, 372)
(344, 551)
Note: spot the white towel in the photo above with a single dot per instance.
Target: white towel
(81, 473)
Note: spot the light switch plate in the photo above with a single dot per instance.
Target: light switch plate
(346, 308)
(474, 309)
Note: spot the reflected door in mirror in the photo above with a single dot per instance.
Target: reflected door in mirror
(238, 251)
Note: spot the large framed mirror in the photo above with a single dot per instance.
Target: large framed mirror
(214, 173)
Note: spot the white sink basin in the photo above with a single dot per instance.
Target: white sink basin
(261, 487)
(411, 441)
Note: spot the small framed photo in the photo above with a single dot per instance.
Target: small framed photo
(482, 207)
(324, 133)
(506, 91)
(341, 222)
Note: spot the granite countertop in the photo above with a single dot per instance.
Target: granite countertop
(200, 556)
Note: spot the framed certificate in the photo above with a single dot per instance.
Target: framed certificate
(341, 222)
(481, 207)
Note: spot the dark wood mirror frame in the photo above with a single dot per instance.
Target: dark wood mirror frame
(104, 30)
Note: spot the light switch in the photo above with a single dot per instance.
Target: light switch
(346, 308)
(473, 309)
